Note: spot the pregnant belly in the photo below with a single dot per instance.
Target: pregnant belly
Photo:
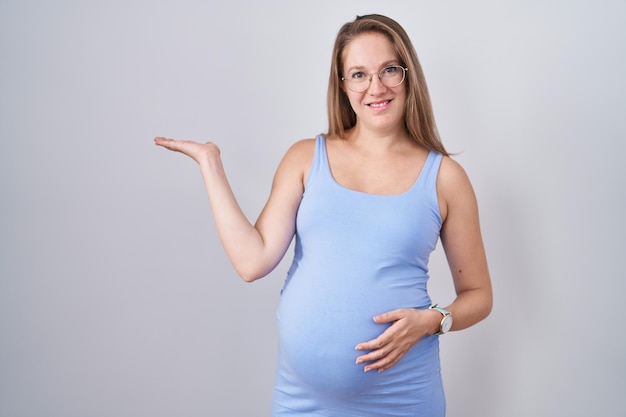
(318, 334)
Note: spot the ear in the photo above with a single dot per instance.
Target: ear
(341, 85)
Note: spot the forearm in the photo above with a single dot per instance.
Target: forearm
(254, 250)
(241, 240)
(470, 307)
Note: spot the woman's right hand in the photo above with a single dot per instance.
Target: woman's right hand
(199, 152)
(254, 250)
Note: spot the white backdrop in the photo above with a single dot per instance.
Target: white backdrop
(116, 298)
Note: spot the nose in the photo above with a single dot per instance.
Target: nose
(376, 85)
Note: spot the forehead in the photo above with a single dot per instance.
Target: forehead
(368, 50)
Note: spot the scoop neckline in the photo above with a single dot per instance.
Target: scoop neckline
(338, 184)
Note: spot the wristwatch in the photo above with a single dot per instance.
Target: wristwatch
(446, 321)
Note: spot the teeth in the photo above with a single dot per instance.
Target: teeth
(379, 104)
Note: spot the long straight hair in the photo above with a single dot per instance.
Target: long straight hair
(419, 120)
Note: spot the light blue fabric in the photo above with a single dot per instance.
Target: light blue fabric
(357, 255)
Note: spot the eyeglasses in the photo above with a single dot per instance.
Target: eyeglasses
(391, 76)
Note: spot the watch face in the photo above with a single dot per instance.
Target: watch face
(446, 323)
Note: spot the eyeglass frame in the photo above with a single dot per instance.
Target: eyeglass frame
(379, 72)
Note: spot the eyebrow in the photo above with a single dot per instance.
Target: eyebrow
(383, 65)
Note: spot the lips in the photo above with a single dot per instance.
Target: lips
(379, 104)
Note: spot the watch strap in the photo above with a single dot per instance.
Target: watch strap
(440, 309)
(445, 314)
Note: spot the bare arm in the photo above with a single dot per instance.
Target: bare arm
(463, 245)
(254, 250)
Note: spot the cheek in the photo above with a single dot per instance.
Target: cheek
(403, 99)
(354, 99)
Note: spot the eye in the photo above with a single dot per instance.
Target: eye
(357, 75)
(390, 70)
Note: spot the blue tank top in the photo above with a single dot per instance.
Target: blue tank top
(357, 255)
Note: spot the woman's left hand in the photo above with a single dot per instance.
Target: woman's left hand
(409, 326)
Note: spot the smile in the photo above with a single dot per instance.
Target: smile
(379, 104)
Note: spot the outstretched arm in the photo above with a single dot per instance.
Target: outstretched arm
(254, 250)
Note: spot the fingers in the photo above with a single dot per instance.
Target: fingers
(389, 316)
(384, 357)
(388, 348)
(386, 336)
(198, 151)
(159, 140)
(385, 362)
(383, 353)
(377, 343)
(171, 144)
(383, 339)
(376, 359)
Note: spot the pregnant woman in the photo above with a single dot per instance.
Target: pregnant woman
(367, 203)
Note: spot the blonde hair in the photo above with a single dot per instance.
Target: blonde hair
(419, 120)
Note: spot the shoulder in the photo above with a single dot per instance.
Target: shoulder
(453, 187)
(302, 148)
(300, 153)
(451, 174)
(297, 160)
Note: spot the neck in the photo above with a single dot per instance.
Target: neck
(378, 140)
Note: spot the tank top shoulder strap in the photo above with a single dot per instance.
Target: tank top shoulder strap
(431, 167)
(427, 181)
(319, 166)
(425, 188)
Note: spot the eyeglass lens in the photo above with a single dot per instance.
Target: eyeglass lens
(391, 76)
